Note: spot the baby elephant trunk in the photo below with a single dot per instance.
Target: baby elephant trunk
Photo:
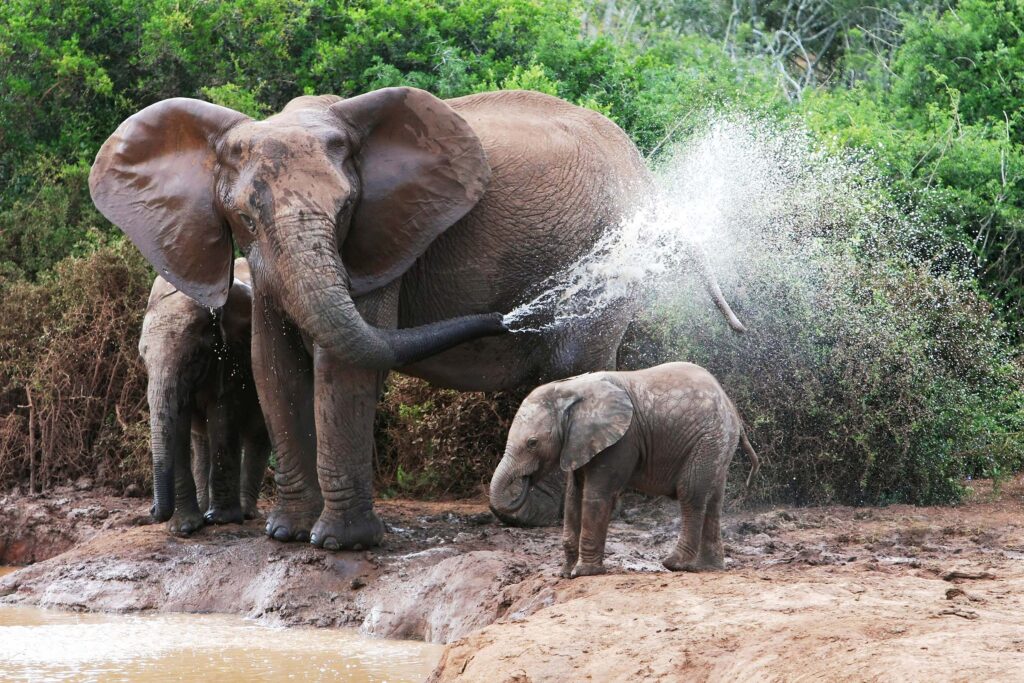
(517, 500)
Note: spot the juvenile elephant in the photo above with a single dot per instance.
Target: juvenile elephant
(669, 430)
(198, 362)
(385, 231)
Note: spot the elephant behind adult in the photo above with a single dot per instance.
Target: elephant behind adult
(202, 401)
(384, 231)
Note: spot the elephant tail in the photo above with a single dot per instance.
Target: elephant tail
(755, 462)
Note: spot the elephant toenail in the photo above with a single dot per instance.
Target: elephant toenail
(357, 546)
(331, 543)
(301, 536)
(281, 534)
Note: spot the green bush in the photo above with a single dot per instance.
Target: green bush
(943, 123)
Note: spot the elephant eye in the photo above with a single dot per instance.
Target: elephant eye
(531, 442)
(249, 223)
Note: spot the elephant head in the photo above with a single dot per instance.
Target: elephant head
(559, 428)
(330, 199)
(178, 344)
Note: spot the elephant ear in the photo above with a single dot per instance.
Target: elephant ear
(154, 179)
(422, 169)
(596, 414)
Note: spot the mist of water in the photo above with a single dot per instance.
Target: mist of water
(764, 201)
(736, 186)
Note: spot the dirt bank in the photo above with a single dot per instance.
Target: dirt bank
(843, 593)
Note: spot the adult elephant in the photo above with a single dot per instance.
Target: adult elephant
(383, 231)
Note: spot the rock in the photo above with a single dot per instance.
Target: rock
(83, 484)
(447, 600)
(133, 491)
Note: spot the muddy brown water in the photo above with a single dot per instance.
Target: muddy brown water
(51, 645)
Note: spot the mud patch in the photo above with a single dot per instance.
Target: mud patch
(827, 592)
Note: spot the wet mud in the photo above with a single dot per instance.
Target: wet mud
(840, 593)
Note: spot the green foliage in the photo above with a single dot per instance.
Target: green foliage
(945, 128)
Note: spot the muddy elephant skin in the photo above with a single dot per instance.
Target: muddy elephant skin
(202, 399)
(385, 231)
(669, 430)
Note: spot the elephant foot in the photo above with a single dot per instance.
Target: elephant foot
(228, 515)
(291, 523)
(352, 531)
(587, 569)
(678, 563)
(711, 562)
(249, 510)
(185, 523)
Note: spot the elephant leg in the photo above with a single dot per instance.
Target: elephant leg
(712, 554)
(284, 382)
(255, 454)
(201, 467)
(596, 513)
(225, 456)
(571, 523)
(188, 517)
(692, 504)
(346, 402)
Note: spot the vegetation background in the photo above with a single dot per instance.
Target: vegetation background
(930, 91)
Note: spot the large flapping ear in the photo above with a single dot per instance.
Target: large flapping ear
(422, 169)
(154, 179)
(596, 414)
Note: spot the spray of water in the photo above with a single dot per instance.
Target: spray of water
(738, 188)
(763, 201)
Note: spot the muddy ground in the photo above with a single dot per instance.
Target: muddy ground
(837, 593)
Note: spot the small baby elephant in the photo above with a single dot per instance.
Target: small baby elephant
(201, 394)
(668, 430)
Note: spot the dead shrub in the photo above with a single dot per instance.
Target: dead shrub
(436, 443)
(72, 389)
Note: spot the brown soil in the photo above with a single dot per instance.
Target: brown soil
(836, 593)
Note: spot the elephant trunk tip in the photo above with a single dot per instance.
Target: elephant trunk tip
(161, 513)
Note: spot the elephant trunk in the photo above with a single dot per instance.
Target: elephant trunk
(169, 441)
(316, 294)
(509, 487)
(518, 501)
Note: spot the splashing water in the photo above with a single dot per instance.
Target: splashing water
(735, 180)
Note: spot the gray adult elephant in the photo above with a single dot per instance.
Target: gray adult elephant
(384, 231)
(202, 394)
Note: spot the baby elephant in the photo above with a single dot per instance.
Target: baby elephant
(201, 391)
(668, 430)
